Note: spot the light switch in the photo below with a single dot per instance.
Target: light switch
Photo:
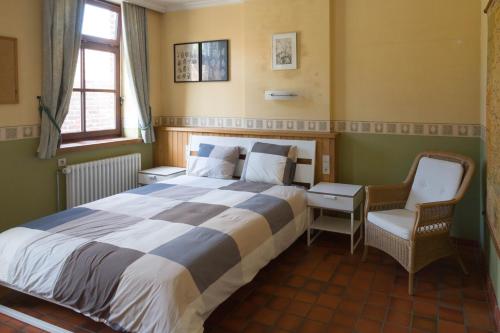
(326, 164)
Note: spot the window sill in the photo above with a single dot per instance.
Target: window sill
(84, 145)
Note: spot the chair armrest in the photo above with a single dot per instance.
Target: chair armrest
(434, 218)
(435, 211)
(382, 197)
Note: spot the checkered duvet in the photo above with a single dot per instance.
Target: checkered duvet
(159, 258)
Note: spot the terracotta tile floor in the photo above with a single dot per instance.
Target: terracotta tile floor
(324, 289)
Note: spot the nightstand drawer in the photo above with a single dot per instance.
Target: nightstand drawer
(328, 201)
(146, 179)
(151, 176)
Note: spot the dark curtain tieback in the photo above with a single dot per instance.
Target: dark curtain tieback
(43, 109)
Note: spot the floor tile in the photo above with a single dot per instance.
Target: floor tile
(450, 327)
(320, 313)
(424, 324)
(368, 326)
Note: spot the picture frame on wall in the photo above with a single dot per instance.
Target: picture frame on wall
(215, 60)
(284, 51)
(187, 62)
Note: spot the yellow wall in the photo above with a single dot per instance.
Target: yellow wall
(250, 27)
(22, 19)
(212, 98)
(310, 19)
(356, 62)
(407, 60)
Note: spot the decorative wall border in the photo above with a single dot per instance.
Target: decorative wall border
(247, 123)
(396, 128)
(20, 132)
(339, 126)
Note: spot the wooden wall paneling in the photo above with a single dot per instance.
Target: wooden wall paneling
(170, 147)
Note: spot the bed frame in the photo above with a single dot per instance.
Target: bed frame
(25, 318)
(175, 144)
(171, 142)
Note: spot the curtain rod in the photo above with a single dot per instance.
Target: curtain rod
(489, 5)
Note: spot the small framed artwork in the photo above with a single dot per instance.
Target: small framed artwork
(215, 60)
(187, 62)
(285, 51)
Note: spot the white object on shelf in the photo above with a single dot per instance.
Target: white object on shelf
(275, 95)
(343, 198)
(154, 175)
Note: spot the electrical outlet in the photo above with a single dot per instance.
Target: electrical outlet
(326, 164)
(61, 163)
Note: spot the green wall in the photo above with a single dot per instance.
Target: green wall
(384, 159)
(29, 184)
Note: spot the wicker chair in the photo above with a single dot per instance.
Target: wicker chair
(420, 234)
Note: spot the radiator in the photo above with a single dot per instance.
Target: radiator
(87, 182)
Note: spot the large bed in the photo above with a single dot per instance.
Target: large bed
(158, 258)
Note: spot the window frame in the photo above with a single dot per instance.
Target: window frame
(106, 45)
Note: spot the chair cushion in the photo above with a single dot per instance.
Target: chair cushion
(398, 222)
(435, 180)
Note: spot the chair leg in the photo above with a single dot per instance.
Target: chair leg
(365, 253)
(461, 263)
(410, 283)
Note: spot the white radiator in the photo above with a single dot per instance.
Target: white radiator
(87, 182)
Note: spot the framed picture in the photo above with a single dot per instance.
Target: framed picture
(285, 51)
(187, 62)
(215, 60)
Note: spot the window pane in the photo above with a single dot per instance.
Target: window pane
(100, 22)
(100, 111)
(73, 121)
(99, 69)
(77, 83)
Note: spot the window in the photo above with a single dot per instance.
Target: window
(94, 110)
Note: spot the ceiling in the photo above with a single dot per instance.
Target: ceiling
(176, 5)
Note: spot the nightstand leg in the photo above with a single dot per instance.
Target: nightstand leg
(309, 217)
(362, 220)
(352, 232)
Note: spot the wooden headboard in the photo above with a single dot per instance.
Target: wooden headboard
(171, 142)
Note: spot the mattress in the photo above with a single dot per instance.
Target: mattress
(158, 258)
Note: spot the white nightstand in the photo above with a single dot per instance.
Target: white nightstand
(151, 176)
(337, 197)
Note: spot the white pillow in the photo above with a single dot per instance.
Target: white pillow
(214, 162)
(270, 163)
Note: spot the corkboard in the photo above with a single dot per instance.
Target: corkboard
(493, 124)
(8, 68)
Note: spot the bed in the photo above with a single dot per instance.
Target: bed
(158, 258)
